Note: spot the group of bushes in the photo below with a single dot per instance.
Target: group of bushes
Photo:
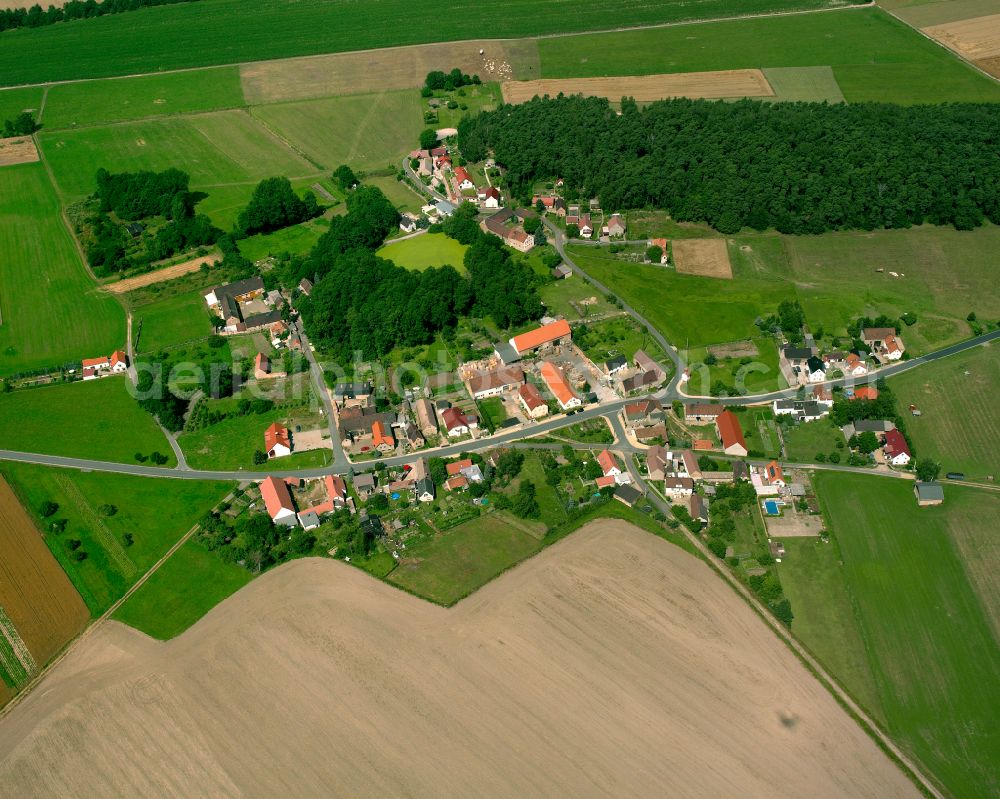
(37, 17)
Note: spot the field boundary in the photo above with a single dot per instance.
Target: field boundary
(944, 47)
(104, 535)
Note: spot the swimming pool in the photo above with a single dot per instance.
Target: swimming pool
(773, 506)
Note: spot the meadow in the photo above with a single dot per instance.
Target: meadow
(171, 321)
(924, 618)
(296, 240)
(14, 101)
(159, 39)
(803, 442)
(50, 311)
(873, 56)
(71, 105)
(155, 511)
(366, 131)
(399, 193)
(185, 588)
(95, 419)
(421, 252)
(959, 402)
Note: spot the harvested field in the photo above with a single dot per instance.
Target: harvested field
(976, 39)
(735, 349)
(40, 611)
(647, 88)
(704, 257)
(160, 275)
(21, 150)
(381, 70)
(611, 663)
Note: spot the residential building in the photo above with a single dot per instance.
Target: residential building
(895, 449)
(727, 425)
(336, 489)
(664, 245)
(614, 365)
(864, 393)
(586, 229)
(411, 435)
(457, 423)
(118, 362)
(557, 383)
(491, 198)
(240, 291)
(426, 416)
(277, 442)
(643, 412)
(801, 410)
(616, 226)
(494, 382)
(678, 486)
(690, 464)
(643, 434)
(815, 370)
(531, 398)
(698, 508)
(463, 179)
(278, 502)
(359, 391)
(854, 366)
(364, 484)
(928, 494)
(646, 364)
(457, 483)
(639, 381)
(876, 337)
(877, 426)
(701, 413)
(774, 475)
(550, 335)
(609, 464)
(382, 439)
(628, 495)
(423, 490)
(657, 459)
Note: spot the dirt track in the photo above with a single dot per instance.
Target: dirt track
(610, 664)
(647, 88)
(160, 275)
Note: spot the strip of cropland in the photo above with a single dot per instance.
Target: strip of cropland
(233, 31)
(51, 312)
(904, 611)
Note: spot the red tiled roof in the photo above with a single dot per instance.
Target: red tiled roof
(701, 443)
(453, 417)
(729, 430)
(557, 383)
(604, 482)
(773, 472)
(380, 436)
(458, 481)
(895, 444)
(531, 396)
(865, 393)
(276, 434)
(91, 363)
(461, 175)
(276, 496)
(541, 335)
(457, 466)
(335, 486)
(118, 356)
(607, 461)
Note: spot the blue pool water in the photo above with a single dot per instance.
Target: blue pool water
(395, 496)
(772, 506)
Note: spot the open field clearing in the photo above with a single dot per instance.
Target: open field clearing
(51, 311)
(100, 102)
(428, 249)
(171, 321)
(976, 39)
(95, 419)
(923, 612)
(158, 39)
(365, 131)
(385, 69)
(39, 603)
(220, 148)
(807, 84)
(959, 402)
(597, 715)
(155, 511)
(297, 240)
(399, 193)
(14, 101)
(921, 13)
(164, 274)
(704, 257)
(20, 150)
(873, 56)
(646, 88)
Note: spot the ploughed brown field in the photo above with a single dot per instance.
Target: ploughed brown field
(160, 275)
(705, 257)
(35, 593)
(976, 39)
(647, 88)
(20, 150)
(611, 664)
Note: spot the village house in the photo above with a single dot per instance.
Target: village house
(336, 489)
(262, 368)
(356, 393)
(382, 439)
(411, 435)
(531, 399)
(657, 461)
(364, 484)
(727, 425)
(877, 426)
(355, 422)
(557, 383)
(226, 302)
(774, 475)
(551, 335)
(702, 413)
(426, 416)
(690, 464)
(586, 229)
(457, 423)
(928, 494)
(408, 222)
(698, 508)
(494, 382)
(664, 246)
(103, 366)
(643, 412)
(610, 468)
(875, 338)
(490, 198)
(277, 442)
(550, 203)
(801, 410)
(854, 366)
(678, 486)
(863, 393)
(646, 364)
(638, 381)
(799, 364)
(506, 225)
(895, 449)
(615, 227)
(463, 180)
(467, 468)
(278, 502)
(457, 483)
(573, 215)
(614, 365)
(424, 490)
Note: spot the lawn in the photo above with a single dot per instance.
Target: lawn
(14, 101)
(924, 613)
(492, 408)
(171, 321)
(804, 441)
(959, 401)
(366, 131)
(874, 57)
(551, 504)
(99, 102)
(96, 419)
(618, 336)
(51, 313)
(296, 240)
(185, 588)
(231, 443)
(155, 511)
(760, 374)
(399, 193)
(159, 39)
(457, 562)
(428, 249)
(565, 298)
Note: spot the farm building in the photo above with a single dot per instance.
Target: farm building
(702, 412)
(557, 383)
(928, 494)
(727, 425)
(493, 382)
(277, 442)
(549, 335)
(532, 401)
(278, 502)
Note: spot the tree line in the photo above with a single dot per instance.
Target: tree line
(37, 17)
(448, 81)
(795, 167)
(22, 125)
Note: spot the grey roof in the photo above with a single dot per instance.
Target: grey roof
(240, 287)
(796, 353)
(366, 480)
(615, 363)
(309, 518)
(740, 470)
(816, 364)
(507, 353)
(930, 492)
(628, 494)
(873, 426)
(424, 486)
(261, 319)
(351, 390)
(444, 207)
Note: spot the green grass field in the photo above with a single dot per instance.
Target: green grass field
(429, 249)
(100, 102)
(185, 588)
(297, 240)
(171, 321)
(367, 131)
(14, 101)
(553, 512)
(157, 39)
(923, 612)
(959, 401)
(399, 193)
(155, 511)
(804, 441)
(50, 311)
(96, 419)
(231, 444)
(873, 56)
(807, 84)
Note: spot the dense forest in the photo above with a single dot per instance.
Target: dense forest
(360, 302)
(795, 167)
(275, 205)
(37, 17)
